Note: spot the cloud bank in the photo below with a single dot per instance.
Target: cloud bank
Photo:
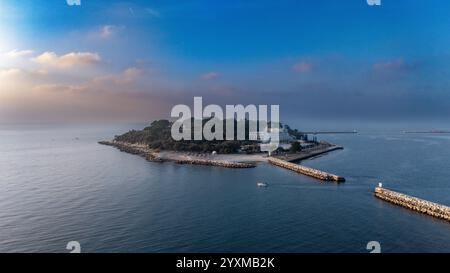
(68, 60)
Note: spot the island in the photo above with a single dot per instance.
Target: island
(156, 145)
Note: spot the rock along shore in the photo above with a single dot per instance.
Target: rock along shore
(414, 203)
(136, 149)
(306, 170)
(144, 151)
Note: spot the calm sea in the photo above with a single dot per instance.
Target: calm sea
(58, 185)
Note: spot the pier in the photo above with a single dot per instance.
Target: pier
(306, 170)
(413, 203)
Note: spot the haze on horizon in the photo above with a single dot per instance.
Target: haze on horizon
(132, 61)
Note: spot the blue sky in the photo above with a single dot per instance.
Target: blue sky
(133, 60)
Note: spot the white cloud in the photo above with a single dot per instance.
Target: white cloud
(17, 79)
(58, 88)
(396, 64)
(14, 73)
(10, 73)
(67, 60)
(132, 73)
(302, 67)
(210, 76)
(152, 12)
(126, 77)
(110, 30)
(19, 53)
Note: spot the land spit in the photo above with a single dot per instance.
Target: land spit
(136, 149)
(414, 203)
(237, 161)
(180, 158)
(306, 170)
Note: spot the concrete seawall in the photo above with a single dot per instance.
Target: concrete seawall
(414, 203)
(306, 170)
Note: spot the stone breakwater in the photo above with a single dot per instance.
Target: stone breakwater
(306, 170)
(150, 155)
(218, 163)
(414, 203)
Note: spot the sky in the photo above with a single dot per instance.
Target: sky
(132, 61)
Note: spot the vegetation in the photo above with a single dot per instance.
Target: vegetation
(296, 133)
(158, 136)
(295, 147)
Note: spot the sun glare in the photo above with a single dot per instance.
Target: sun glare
(4, 38)
(6, 28)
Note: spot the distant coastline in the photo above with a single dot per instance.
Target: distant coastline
(427, 132)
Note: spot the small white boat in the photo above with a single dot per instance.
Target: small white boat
(261, 185)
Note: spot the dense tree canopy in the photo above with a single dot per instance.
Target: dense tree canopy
(158, 136)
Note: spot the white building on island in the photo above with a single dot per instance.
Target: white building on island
(264, 136)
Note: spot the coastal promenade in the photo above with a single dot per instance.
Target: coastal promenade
(413, 203)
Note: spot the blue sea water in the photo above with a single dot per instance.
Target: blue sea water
(58, 185)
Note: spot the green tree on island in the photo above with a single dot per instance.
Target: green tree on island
(296, 147)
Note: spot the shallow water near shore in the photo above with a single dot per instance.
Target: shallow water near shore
(59, 185)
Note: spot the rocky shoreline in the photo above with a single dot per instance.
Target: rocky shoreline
(218, 163)
(136, 149)
(153, 156)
